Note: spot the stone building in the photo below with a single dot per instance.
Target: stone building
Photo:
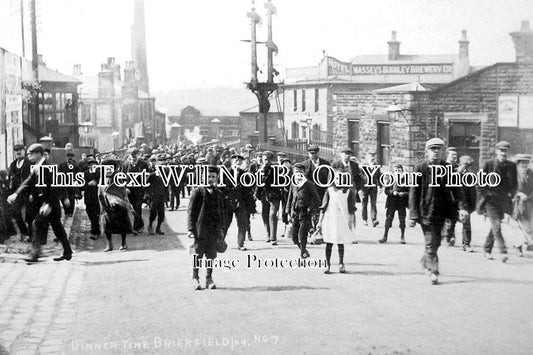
(470, 108)
(471, 113)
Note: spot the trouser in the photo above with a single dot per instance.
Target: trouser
(174, 197)
(93, 212)
(432, 236)
(136, 200)
(157, 210)
(301, 225)
(495, 215)
(208, 249)
(371, 194)
(269, 213)
(449, 231)
(15, 212)
(40, 229)
(389, 213)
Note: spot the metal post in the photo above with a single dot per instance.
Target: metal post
(35, 65)
(22, 28)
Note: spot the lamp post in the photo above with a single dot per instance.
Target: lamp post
(308, 122)
(115, 136)
(395, 111)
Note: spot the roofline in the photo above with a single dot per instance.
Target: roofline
(468, 76)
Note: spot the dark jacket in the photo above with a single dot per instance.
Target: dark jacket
(128, 167)
(469, 194)
(43, 194)
(428, 204)
(17, 176)
(269, 192)
(323, 175)
(397, 201)
(303, 199)
(501, 195)
(204, 215)
(90, 193)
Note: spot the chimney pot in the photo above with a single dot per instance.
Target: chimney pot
(523, 43)
(111, 60)
(464, 35)
(393, 36)
(394, 47)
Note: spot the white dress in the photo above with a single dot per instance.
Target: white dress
(336, 223)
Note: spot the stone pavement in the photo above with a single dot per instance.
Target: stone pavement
(141, 301)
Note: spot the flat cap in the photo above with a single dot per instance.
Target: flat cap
(161, 157)
(299, 166)
(397, 165)
(371, 151)
(523, 157)
(134, 151)
(347, 151)
(503, 145)
(268, 154)
(451, 149)
(313, 148)
(281, 154)
(18, 147)
(248, 146)
(201, 160)
(285, 160)
(237, 156)
(434, 142)
(36, 148)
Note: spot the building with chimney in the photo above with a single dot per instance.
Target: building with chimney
(138, 46)
(393, 103)
(112, 102)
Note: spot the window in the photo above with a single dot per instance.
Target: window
(353, 136)
(383, 143)
(316, 133)
(304, 132)
(317, 106)
(295, 101)
(303, 100)
(294, 130)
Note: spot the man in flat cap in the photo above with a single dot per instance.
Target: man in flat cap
(135, 194)
(495, 202)
(90, 195)
(270, 197)
(19, 170)
(431, 205)
(46, 200)
(449, 225)
(310, 165)
(156, 193)
(523, 202)
(302, 202)
(370, 193)
(69, 166)
(469, 194)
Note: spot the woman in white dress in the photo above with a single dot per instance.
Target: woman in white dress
(337, 218)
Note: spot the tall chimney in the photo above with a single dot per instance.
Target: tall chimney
(463, 46)
(394, 47)
(138, 45)
(523, 44)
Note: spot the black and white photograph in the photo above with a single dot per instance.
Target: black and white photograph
(266, 177)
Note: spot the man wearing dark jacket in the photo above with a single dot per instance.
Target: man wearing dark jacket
(205, 223)
(431, 205)
(496, 201)
(70, 167)
(19, 170)
(303, 200)
(46, 200)
(90, 195)
(136, 194)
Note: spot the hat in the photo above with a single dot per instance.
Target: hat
(134, 151)
(434, 142)
(285, 160)
(161, 157)
(347, 151)
(281, 154)
(91, 161)
(18, 147)
(503, 145)
(146, 156)
(465, 159)
(237, 156)
(248, 146)
(177, 155)
(201, 160)
(313, 148)
(371, 151)
(299, 166)
(353, 158)
(36, 148)
(152, 158)
(523, 157)
(451, 149)
(70, 155)
(212, 169)
(268, 154)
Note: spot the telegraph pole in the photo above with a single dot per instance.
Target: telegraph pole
(22, 28)
(35, 67)
(262, 90)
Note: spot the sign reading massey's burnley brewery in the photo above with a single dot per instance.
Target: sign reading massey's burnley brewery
(336, 67)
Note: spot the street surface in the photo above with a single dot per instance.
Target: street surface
(141, 301)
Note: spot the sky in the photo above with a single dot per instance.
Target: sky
(197, 43)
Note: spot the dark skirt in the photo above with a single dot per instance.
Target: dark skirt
(116, 220)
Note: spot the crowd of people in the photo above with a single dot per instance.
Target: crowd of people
(310, 213)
